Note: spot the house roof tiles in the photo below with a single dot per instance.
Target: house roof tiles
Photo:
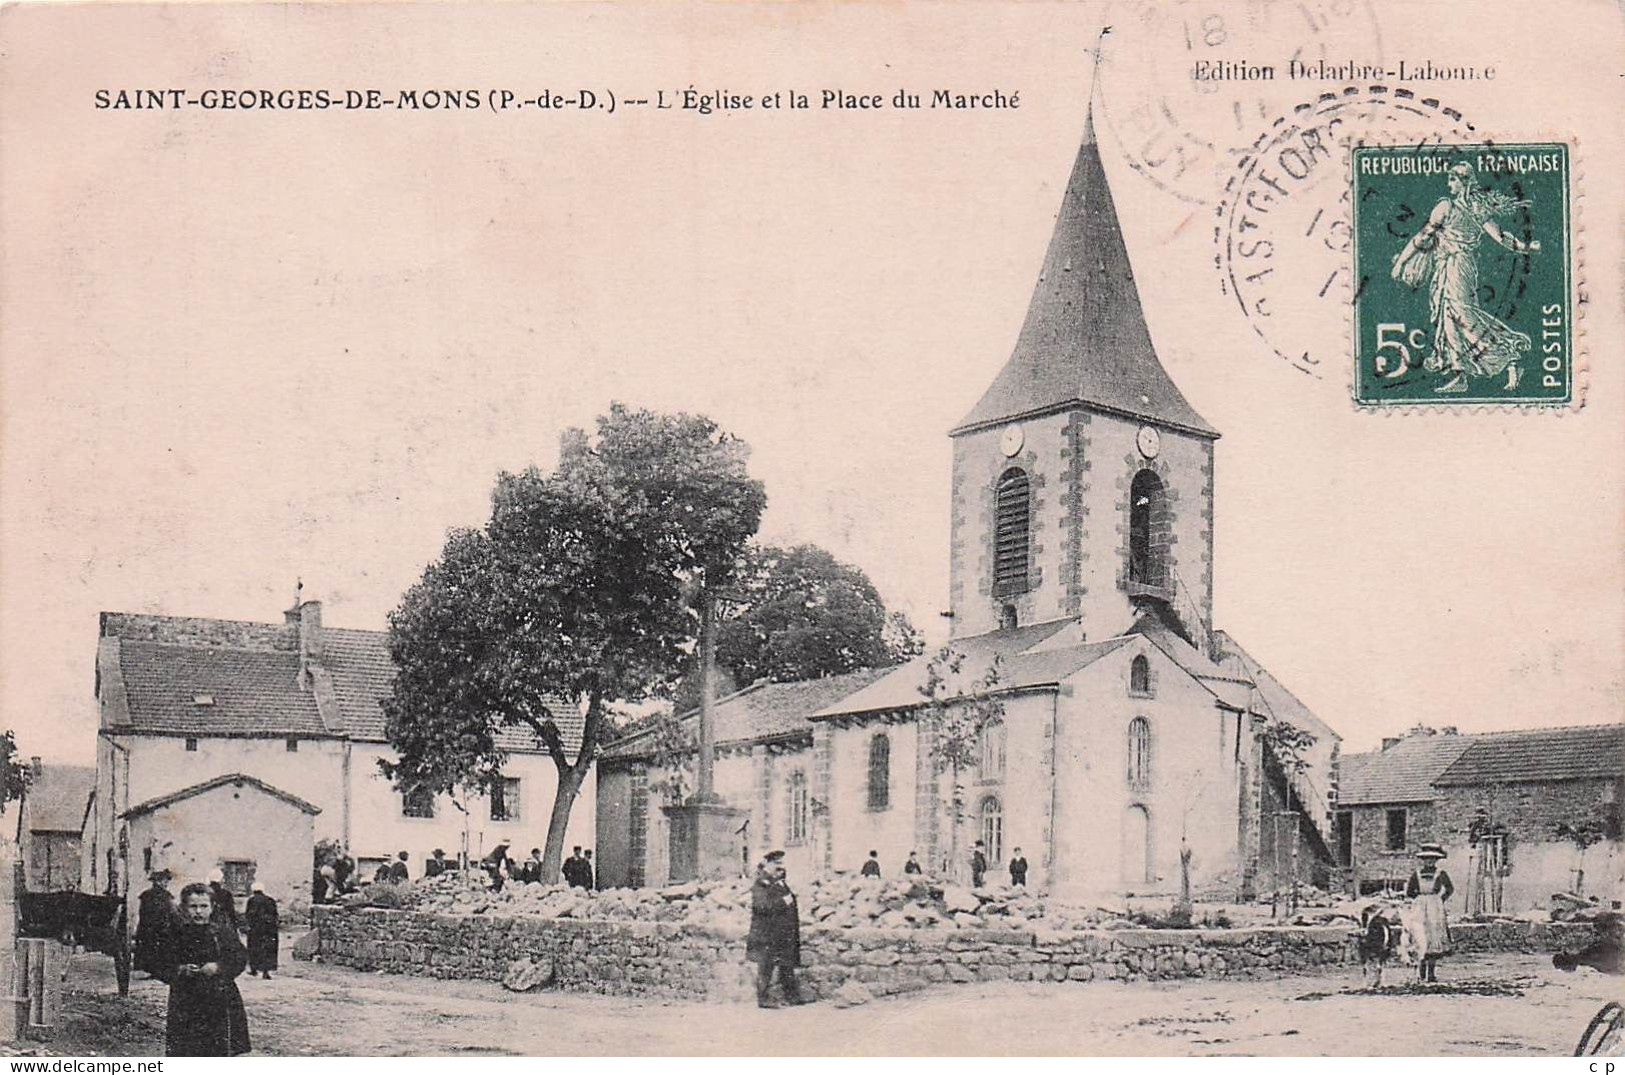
(57, 797)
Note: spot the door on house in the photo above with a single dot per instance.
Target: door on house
(1345, 838)
(1137, 846)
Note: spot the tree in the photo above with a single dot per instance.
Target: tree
(578, 593)
(1286, 743)
(955, 714)
(802, 614)
(14, 775)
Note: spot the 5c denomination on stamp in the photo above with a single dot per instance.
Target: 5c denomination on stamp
(1462, 275)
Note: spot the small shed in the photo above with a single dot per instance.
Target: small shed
(49, 825)
(238, 824)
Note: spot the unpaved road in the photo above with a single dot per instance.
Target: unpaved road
(1512, 1005)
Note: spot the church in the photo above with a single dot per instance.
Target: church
(1122, 728)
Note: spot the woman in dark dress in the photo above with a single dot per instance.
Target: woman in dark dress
(157, 915)
(206, 1016)
(261, 919)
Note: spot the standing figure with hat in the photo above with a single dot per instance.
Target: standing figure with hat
(152, 928)
(775, 931)
(1428, 889)
(261, 919)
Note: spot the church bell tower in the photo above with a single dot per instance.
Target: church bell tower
(1082, 479)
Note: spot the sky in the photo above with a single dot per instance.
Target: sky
(240, 349)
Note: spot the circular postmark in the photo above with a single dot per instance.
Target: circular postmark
(1192, 92)
(1282, 233)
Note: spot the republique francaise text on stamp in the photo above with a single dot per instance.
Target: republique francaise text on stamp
(1462, 275)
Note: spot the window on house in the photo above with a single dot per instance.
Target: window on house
(1146, 517)
(418, 802)
(800, 808)
(1396, 830)
(879, 772)
(992, 818)
(239, 874)
(1012, 514)
(990, 752)
(191, 744)
(292, 746)
(1139, 676)
(505, 799)
(1139, 753)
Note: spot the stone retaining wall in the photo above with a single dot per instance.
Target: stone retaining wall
(666, 959)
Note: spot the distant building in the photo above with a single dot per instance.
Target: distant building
(1521, 814)
(50, 821)
(292, 710)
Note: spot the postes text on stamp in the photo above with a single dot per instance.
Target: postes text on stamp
(1462, 275)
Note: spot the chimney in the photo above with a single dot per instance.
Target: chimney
(36, 766)
(1390, 741)
(311, 649)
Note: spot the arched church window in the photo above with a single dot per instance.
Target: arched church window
(879, 772)
(1012, 515)
(1147, 518)
(1009, 618)
(991, 750)
(799, 808)
(1139, 753)
(1139, 676)
(992, 818)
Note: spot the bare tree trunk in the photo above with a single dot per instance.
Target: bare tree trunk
(570, 781)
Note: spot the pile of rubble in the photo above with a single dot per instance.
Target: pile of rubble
(839, 903)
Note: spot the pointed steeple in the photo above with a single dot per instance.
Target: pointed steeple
(1085, 341)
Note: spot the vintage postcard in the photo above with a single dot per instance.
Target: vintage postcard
(862, 529)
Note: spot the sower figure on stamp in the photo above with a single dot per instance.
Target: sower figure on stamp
(1467, 339)
(775, 931)
(1428, 889)
(206, 1016)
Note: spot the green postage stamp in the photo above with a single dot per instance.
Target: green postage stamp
(1462, 275)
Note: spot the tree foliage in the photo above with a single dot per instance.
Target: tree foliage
(956, 711)
(579, 592)
(14, 774)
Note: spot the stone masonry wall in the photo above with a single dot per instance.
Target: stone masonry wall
(665, 959)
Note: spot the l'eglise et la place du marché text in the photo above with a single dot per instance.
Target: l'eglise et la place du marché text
(708, 101)
(1323, 71)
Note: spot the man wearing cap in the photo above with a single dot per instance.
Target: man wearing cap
(1428, 889)
(261, 919)
(157, 918)
(775, 931)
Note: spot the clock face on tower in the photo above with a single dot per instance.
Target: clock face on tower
(1149, 442)
(1010, 442)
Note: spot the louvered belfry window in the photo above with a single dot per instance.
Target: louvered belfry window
(1012, 522)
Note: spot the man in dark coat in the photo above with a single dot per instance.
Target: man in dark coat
(572, 869)
(436, 865)
(913, 863)
(978, 865)
(261, 918)
(206, 1016)
(589, 874)
(399, 872)
(775, 932)
(1018, 870)
(225, 904)
(871, 868)
(156, 918)
(531, 871)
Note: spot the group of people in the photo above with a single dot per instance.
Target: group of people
(194, 945)
(978, 866)
(577, 870)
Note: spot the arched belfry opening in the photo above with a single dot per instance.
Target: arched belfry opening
(1012, 529)
(1148, 531)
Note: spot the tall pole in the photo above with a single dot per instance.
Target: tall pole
(708, 699)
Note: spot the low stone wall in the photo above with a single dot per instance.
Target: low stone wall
(665, 959)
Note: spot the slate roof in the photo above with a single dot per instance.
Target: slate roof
(1404, 773)
(761, 712)
(57, 797)
(1042, 666)
(1084, 340)
(255, 692)
(1545, 754)
(1413, 769)
(173, 797)
(251, 672)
